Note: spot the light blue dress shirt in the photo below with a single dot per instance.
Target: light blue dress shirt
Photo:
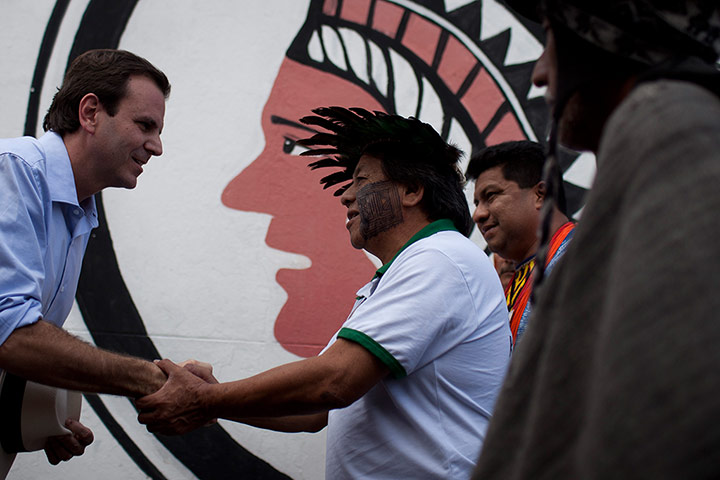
(44, 231)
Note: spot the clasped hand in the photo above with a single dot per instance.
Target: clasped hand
(64, 447)
(179, 406)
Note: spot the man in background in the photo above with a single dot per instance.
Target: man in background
(618, 375)
(509, 195)
(504, 268)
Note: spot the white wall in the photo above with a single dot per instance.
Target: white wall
(199, 272)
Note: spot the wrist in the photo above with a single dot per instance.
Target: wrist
(210, 396)
(148, 379)
(156, 380)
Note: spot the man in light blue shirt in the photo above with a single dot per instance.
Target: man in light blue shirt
(104, 124)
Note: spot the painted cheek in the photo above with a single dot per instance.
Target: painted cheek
(379, 208)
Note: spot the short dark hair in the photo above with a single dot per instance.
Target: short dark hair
(521, 162)
(105, 73)
(412, 154)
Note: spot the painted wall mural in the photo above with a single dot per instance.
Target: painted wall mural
(228, 250)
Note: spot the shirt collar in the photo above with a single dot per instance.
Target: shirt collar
(430, 229)
(59, 171)
(60, 177)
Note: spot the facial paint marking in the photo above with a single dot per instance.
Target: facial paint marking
(379, 208)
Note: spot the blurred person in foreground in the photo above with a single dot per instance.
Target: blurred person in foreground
(617, 375)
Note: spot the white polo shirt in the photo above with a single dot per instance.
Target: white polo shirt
(436, 316)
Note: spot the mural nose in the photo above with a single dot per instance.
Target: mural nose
(252, 189)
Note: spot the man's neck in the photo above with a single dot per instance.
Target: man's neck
(387, 244)
(74, 143)
(558, 220)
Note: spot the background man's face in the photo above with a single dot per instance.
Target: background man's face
(506, 214)
(504, 268)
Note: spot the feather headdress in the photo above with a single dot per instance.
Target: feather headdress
(351, 132)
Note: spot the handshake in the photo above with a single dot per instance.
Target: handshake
(175, 408)
(181, 404)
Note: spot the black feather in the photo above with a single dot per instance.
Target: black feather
(351, 131)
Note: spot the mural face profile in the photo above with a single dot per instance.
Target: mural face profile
(305, 219)
(461, 66)
(349, 54)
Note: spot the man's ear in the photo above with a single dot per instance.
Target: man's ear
(540, 191)
(88, 111)
(411, 194)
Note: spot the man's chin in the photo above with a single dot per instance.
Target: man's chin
(128, 183)
(499, 251)
(492, 245)
(357, 243)
(581, 124)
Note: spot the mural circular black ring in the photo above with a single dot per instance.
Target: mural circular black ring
(103, 298)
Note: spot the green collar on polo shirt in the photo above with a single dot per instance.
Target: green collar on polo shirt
(436, 226)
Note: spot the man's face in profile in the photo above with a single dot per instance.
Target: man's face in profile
(373, 203)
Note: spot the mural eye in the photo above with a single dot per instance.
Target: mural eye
(291, 147)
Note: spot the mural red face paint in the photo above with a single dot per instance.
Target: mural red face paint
(310, 221)
(306, 219)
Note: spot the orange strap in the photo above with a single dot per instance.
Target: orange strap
(517, 292)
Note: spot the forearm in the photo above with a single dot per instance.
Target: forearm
(290, 424)
(47, 354)
(299, 388)
(335, 379)
(307, 388)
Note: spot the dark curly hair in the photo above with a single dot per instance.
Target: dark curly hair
(412, 153)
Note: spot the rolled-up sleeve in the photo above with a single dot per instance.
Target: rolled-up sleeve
(23, 243)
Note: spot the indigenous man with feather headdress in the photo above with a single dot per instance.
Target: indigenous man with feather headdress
(407, 385)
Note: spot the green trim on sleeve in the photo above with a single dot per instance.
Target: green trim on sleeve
(430, 229)
(375, 348)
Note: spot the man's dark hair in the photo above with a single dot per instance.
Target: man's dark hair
(412, 154)
(521, 162)
(102, 72)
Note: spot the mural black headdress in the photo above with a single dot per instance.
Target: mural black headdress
(354, 131)
(409, 55)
